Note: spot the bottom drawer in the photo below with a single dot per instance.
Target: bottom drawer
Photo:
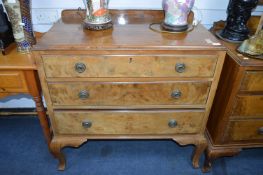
(246, 130)
(128, 122)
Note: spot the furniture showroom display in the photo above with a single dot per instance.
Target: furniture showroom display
(236, 118)
(127, 82)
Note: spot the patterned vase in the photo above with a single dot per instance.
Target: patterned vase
(238, 13)
(20, 17)
(176, 14)
(97, 16)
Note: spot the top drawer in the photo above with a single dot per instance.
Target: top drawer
(12, 81)
(252, 81)
(130, 66)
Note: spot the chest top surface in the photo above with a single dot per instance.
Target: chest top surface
(131, 36)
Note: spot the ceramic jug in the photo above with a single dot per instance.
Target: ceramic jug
(97, 16)
(176, 14)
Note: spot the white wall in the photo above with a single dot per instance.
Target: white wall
(46, 12)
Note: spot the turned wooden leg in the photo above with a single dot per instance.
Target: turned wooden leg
(200, 148)
(35, 91)
(43, 118)
(56, 151)
(212, 154)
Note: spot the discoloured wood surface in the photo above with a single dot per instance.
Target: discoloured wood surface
(246, 130)
(128, 122)
(12, 81)
(252, 81)
(248, 106)
(130, 66)
(132, 93)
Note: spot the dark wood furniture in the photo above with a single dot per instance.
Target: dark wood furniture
(18, 75)
(236, 118)
(128, 82)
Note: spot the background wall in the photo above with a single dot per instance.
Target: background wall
(45, 13)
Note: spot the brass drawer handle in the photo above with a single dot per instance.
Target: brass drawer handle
(86, 124)
(83, 94)
(260, 131)
(180, 67)
(80, 67)
(172, 123)
(176, 94)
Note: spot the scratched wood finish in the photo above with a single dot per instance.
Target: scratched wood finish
(126, 94)
(12, 81)
(130, 66)
(128, 122)
(245, 130)
(248, 106)
(253, 81)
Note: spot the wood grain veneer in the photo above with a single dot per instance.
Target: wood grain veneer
(130, 66)
(128, 122)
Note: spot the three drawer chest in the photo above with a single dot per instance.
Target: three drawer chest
(236, 117)
(128, 82)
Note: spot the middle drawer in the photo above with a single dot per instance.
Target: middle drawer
(129, 93)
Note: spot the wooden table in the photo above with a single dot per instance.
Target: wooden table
(18, 75)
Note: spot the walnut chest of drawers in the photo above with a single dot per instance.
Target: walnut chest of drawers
(128, 83)
(236, 118)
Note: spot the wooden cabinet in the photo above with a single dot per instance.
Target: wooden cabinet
(18, 75)
(128, 82)
(236, 118)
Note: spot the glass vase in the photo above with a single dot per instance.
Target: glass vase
(97, 16)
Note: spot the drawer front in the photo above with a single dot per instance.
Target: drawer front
(12, 81)
(252, 81)
(128, 122)
(246, 130)
(248, 106)
(128, 94)
(130, 66)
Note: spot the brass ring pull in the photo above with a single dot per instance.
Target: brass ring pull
(84, 94)
(172, 123)
(180, 67)
(86, 124)
(176, 94)
(80, 67)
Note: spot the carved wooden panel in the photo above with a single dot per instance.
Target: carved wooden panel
(128, 122)
(131, 66)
